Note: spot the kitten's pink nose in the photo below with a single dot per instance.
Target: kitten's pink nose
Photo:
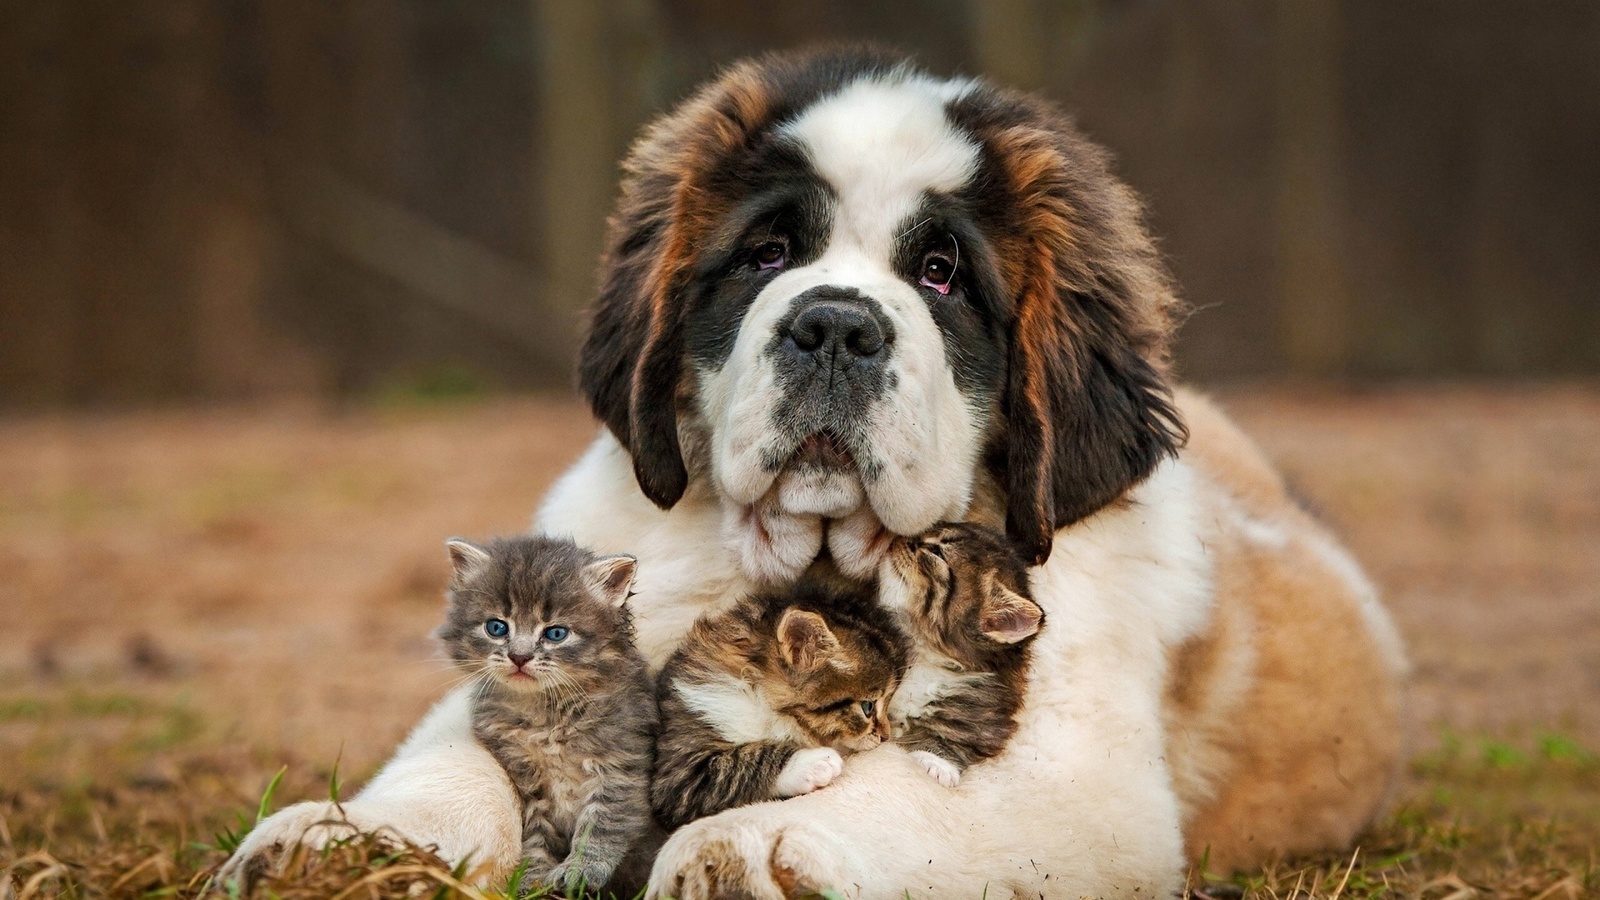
(519, 659)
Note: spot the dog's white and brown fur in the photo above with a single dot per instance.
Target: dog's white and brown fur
(844, 299)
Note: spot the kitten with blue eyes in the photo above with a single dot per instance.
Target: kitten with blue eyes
(563, 700)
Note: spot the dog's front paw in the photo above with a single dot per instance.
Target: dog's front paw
(748, 853)
(312, 824)
(808, 770)
(943, 770)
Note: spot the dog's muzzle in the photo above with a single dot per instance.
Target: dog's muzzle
(832, 354)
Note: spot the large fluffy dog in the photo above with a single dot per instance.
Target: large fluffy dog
(844, 299)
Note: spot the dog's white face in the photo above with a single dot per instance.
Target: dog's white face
(840, 292)
(838, 390)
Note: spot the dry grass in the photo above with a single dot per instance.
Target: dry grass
(136, 836)
(365, 867)
(195, 600)
(1485, 819)
(1480, 818)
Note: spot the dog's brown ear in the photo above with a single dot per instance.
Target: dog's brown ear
(629, 367)
(1088, 409)
(632, 361)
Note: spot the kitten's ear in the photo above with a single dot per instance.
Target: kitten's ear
(804, 639)
(1007, 616)
(465, 556)
(611, 578)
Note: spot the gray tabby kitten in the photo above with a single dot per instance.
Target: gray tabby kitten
(565, 702)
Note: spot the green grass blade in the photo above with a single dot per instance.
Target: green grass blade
(265, 807)
(334, 784)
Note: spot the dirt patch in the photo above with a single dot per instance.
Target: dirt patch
(276, 573)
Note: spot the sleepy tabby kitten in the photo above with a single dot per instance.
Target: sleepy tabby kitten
(761, 701)
(564, 702)
(961, 592)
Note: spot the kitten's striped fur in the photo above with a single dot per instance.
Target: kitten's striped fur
(961, 592)
(761, 701)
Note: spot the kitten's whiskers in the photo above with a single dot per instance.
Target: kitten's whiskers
(562, 688)
(485, 679)
(468, 675)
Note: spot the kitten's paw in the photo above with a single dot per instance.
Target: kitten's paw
(943, 770)
(574, 879)
(808, 770)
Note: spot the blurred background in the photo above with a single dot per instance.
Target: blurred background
(290, 291)
(239, 198)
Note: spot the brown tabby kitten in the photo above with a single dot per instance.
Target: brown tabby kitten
(564, 701)
(961, 592)
(759, 702)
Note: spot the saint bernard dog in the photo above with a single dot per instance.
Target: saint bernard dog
(842, 300)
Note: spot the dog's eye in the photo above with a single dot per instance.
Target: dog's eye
(771, 255)
(937, 272)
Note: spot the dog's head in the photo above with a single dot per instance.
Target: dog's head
(834, 283)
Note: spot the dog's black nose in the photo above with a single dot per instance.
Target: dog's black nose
(832, 352)
(837, 328)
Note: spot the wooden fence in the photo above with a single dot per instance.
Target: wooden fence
(237, 198)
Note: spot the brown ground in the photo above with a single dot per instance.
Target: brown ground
(1478, 515)
(259, 584)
